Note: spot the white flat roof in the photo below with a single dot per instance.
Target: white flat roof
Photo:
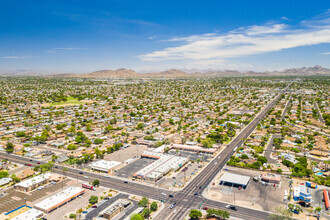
(5, 180)
(234, 178)
(58, 198)
(105, 165)
(31, 214)
(34, 180)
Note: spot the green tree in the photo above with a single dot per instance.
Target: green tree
(96, 183)
(195, 214)
(98, 141)
(3, 174)
(137, 217)
(93, 199)
(72, 147)
(9, 147)
(15, 178)
(153, 206)
(143, 202)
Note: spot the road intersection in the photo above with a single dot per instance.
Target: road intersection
(185, 199)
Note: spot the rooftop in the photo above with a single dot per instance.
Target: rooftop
(234, 178)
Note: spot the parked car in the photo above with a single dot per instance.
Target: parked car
(195, 194)
(171, 196)
(205, 208)
(94, 206)
(29, 165)
(81, 173)
(38, 162)
(125, 182)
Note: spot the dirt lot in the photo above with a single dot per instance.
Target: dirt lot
(254, 196)
(127, 153)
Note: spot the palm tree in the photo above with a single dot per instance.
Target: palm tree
(313, 164)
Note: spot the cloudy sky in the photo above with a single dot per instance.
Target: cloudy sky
(84, 36)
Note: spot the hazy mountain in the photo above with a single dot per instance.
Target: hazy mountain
(128, 73)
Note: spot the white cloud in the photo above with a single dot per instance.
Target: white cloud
(285, 18)
(61, 50)
(14, 57)
(326, 53)
(213, 48)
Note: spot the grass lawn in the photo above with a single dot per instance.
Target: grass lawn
(70, 101)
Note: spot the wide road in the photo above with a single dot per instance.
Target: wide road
(185, 198)
(204, 178)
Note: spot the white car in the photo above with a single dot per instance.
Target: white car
(86, 177)
(174, 211)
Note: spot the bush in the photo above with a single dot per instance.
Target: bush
(93, 199)
(72, 215)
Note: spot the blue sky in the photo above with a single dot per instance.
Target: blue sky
(84, 36)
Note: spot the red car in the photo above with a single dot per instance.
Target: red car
(38, 163)
(94, 206)
(205, 208)
(29, 165)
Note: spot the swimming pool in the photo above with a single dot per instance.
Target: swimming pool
(319, 174)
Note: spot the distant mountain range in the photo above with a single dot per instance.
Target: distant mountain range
(171, 73)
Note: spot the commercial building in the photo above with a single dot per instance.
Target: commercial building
(234, 180)
(115, 208)
(33, 183)
(271, 178)
(23, 212)
(302, 193)
(104, 165)
(5, 181)
(30, 214)
(59, 199)
(164, 163)
(193, 148)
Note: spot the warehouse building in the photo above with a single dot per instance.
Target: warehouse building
(104, 166)
(229, 179)
(59, 199)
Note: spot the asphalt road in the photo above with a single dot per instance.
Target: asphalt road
(185, 198)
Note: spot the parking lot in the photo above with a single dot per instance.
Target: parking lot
(77, 203)
(191, 155)
(179, 178)
(14, 199)
(131, 168)
(254, 196)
